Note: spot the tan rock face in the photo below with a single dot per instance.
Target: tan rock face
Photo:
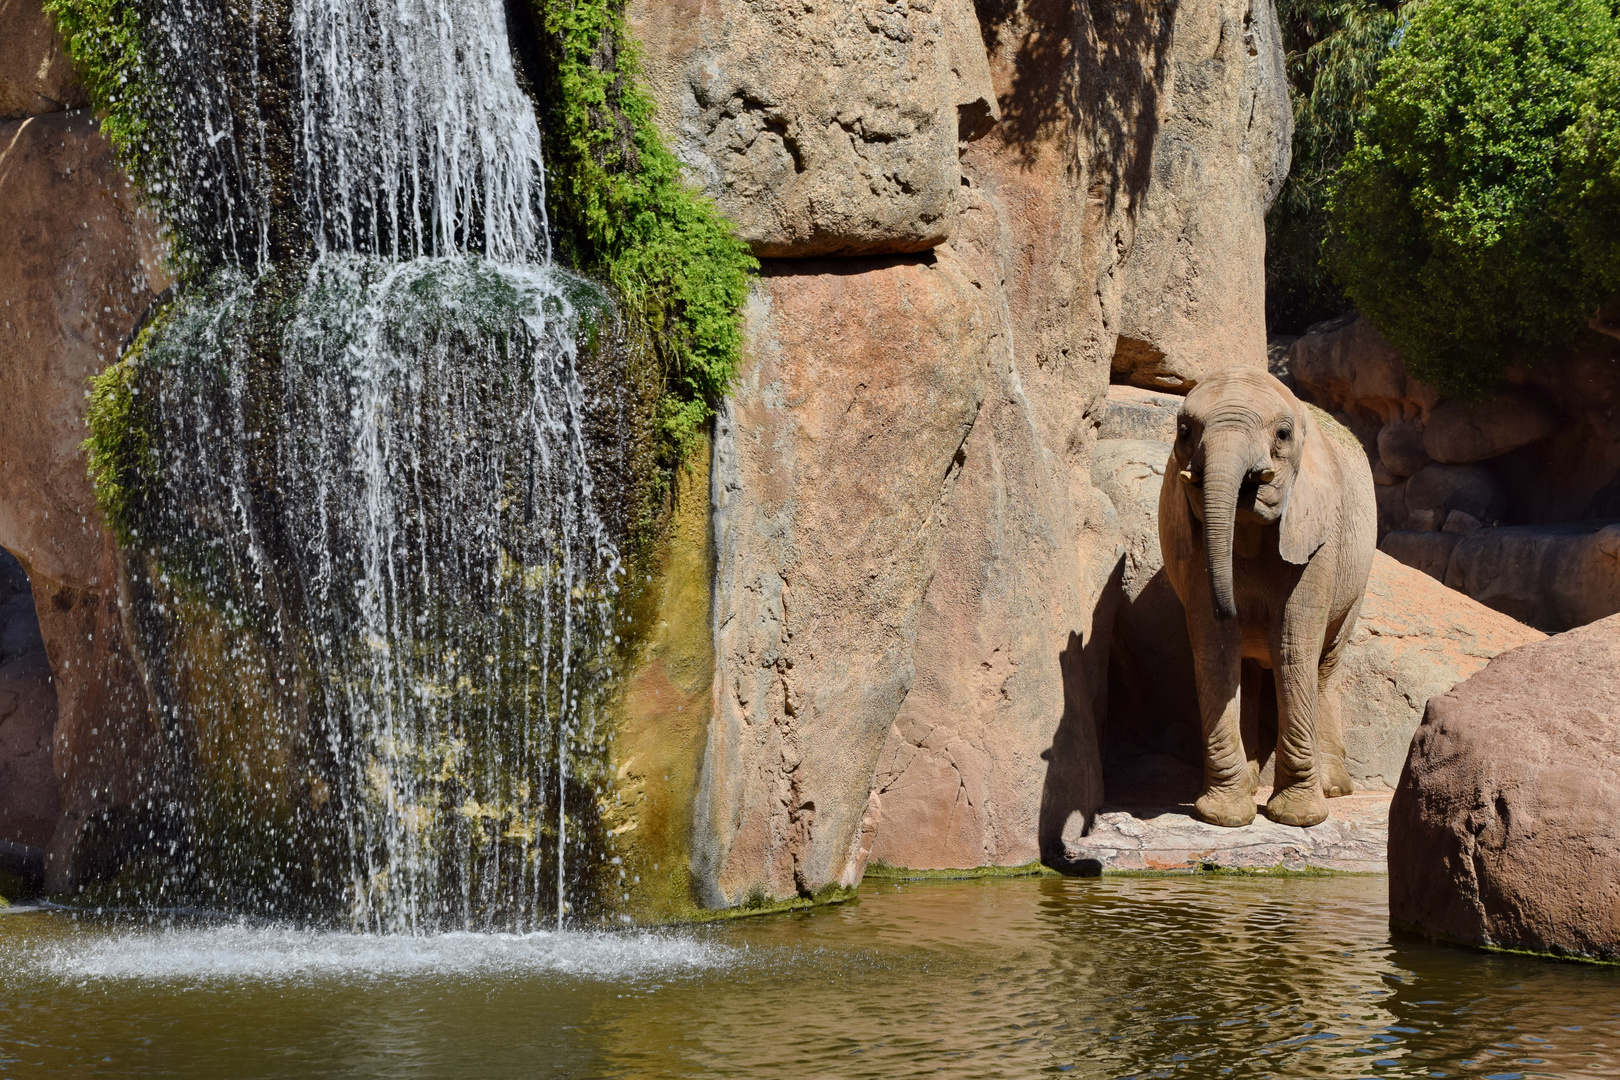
(923, 689)
(35, 74)
(1505, 829)
(822, 129)
(1415, 639)
(1194, 276)
(832, 461)
(77, 268)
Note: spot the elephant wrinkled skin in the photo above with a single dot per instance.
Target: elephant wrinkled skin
(1268, 524)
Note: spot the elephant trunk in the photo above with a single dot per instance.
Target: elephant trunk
(1223, 479)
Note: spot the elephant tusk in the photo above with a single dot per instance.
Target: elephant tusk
(1267, 475)
(1188, 476)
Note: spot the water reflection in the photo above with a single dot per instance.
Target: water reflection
(1186, 977)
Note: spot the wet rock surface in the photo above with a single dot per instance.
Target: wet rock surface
(1505, 830)
(29, 803)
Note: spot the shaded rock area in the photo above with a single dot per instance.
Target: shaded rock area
(1551, 576)
(1169, 838)
(1505, 829)
(1520, 483)
(29, 804)
(78, 266)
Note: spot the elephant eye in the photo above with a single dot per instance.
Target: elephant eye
(1285, 433)
(1183, 429)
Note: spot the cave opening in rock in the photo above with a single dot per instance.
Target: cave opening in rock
(29, 800)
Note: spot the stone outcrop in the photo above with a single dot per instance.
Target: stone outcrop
(77, 268)
(1505, 830)
(831, 464)
(1553, 577)
(1520, 483)
(822, 129)
(1193, 298)
(35, 74)
(1169, 838)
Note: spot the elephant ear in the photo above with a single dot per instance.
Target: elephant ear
(1309, 514)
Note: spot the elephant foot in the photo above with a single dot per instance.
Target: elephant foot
(1336, 781)
(1225, 806)
(1298, 804)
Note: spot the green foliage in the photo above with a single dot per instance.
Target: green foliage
(119, 448)
(107, 42)
(1333, 51)
(1469, 221)
(621, 209)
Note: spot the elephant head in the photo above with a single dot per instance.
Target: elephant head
(1247, 451)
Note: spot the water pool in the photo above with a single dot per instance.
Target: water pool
(1199, 976)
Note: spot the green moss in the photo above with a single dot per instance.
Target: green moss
(119, 449)
(1506, 950)
(621, 209)
(880, 871)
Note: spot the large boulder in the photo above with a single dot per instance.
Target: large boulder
(1550, 576)
(78, 266)
(822, 129)
(35, 74)
(1505, 829)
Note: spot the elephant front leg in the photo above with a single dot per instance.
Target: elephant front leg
(1229, 784)
(1336, 780)
(1297, 797)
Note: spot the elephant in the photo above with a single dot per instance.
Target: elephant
(1268, 525)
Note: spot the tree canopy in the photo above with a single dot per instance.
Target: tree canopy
(1476, 220)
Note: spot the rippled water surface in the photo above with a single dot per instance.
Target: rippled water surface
(1193, 977)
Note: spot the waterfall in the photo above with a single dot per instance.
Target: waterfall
(372, 572)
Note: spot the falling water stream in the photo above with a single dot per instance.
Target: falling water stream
(371, 573)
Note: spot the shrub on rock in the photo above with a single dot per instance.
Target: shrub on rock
(1471, 222)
